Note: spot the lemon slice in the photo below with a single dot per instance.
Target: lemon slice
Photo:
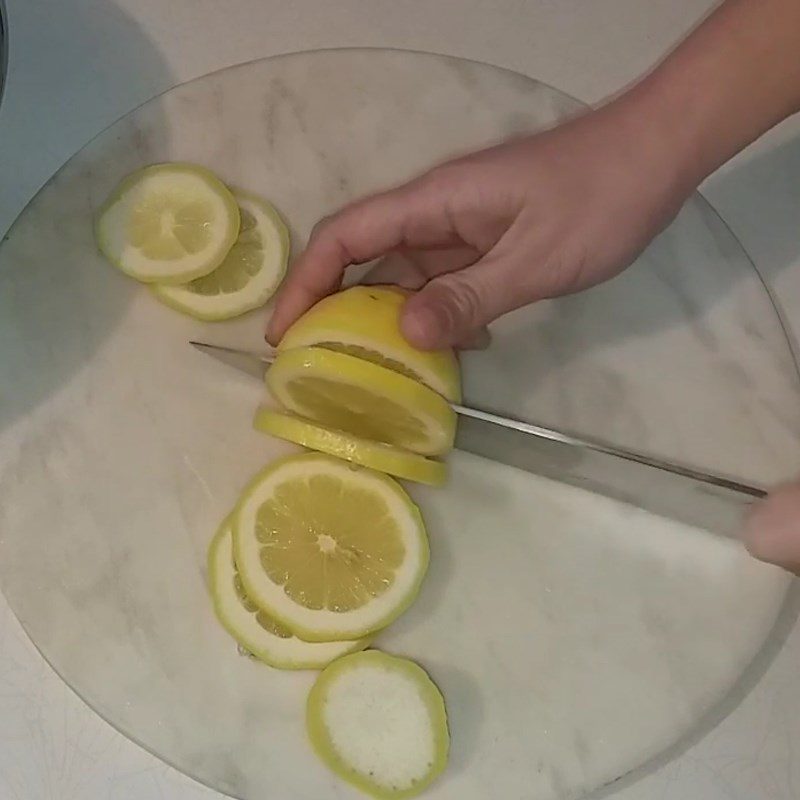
(331, 551)
(374, 455)
(254, 630)
(380, 723)
(248, 276)
(362, 398)
(168, 223)
(364, 321)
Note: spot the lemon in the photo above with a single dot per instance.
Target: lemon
(380, 723)
(253, 629)
(168, 223)
(364, 321)
(374, 455)
(362, 398)
(248, 276)
(331, 551)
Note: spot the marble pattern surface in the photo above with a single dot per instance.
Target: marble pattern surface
(94, 416)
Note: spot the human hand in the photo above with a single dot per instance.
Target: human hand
(772, 530)
(533, 218)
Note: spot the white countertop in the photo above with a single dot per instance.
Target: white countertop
(76, 65)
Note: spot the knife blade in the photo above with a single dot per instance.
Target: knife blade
(700, 499)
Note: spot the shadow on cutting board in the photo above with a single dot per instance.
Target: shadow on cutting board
(58, 299)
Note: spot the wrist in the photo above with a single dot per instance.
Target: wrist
(678, 120)
(663, 152)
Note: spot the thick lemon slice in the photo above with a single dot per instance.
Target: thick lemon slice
(380, 723)
(331, 551)
(248, 276)
(253, 629)
(362, 398)
(377, 456)
(168, 223)
(364, 321)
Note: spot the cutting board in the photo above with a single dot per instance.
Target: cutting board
(573, 638)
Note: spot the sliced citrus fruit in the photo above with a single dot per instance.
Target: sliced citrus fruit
(380, 723)
(362, 398)
(253, 629)
(247, 277)
(364, 321)
(168, 223)
(331, 551)
(374, 455)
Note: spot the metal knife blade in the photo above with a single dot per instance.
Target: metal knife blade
(697, 498)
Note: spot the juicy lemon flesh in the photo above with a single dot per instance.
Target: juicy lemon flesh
(358, 411)
(376, 456)
(330, 545)
(373, 356)
(242, 263)
(171, 224)
(364, 321)
(269, 624)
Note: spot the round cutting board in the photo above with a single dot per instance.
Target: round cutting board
(573, 637)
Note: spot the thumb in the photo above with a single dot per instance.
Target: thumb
(772, 530)
(453, 308)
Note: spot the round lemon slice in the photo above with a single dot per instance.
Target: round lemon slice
(364, 321)
(379, 722)
(374, 455)
(331, 551)
(168, 223)
(247, 277)
(362, 398)
(253, 629)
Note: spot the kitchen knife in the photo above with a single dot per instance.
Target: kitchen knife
(687, 495)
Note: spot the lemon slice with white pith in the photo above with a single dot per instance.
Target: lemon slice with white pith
(366, 453)
(249, 274)
(332, 551)
(253, 629)
(168, 223)
(380, 723)
(362, 398)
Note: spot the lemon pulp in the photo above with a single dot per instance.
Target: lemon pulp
(322, 551)
(168, 223)
(362, 398)
(258, 633)
(249, 274)
(328, 550)
(364, 321)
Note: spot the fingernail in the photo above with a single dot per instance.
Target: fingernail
(270, 336)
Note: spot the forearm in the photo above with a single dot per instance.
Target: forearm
(732, 79)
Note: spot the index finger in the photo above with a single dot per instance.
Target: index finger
(365, 230)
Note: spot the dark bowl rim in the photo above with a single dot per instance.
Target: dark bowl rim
(3, 47)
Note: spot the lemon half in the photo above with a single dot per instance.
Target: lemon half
(331, 551)
(249, 274)
(374, 455)
(362, 398)
(364, 321)
(168, 223)
(253, 629)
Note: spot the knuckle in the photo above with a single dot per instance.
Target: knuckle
(441, 179)
(319, 230)
(322, 226)
(462, 303)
